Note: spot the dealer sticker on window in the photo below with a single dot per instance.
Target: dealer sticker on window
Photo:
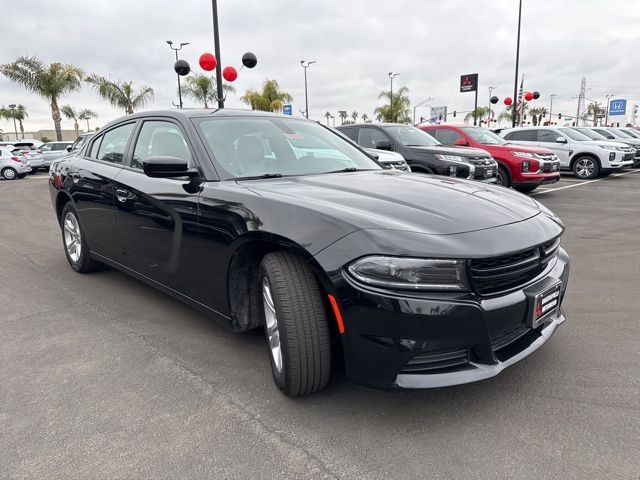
(546, 304)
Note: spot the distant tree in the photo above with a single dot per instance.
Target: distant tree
(327, 115)
(396, 111)
(45, 139)
(71, 114)
(86, 114)
(343, 116)
(203, 89)
(355, 116)
(595, 110)
(269, 99)
(537, 114)
(365, 118)
(378, 116)
(18, 113)
(479, 113)
(121, 94)
(49, 81)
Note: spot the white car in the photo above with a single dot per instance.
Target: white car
(390, 159)
(12, 165)
(585, 157)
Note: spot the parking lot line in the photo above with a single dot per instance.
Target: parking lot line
(585, 182)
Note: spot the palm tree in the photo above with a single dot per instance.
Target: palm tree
(537, 114)
(49, 81)
(202, 89)
(327, 115)
(71, 114)
(365, 117)
(595, 110)
(506, 115)
(121, 94)
(18, 113)
(355, 116)
(378, 116)
(86, 114)
(478, 114)
(398, 111)
(269, 99)
(343, 116)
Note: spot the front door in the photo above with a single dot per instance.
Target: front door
(157, 217)
(549, 139)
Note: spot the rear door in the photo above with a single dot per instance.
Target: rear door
(157, 217)
(92, 175)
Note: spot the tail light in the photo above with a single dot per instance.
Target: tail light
(16, 159)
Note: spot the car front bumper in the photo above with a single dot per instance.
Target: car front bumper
(436, 340)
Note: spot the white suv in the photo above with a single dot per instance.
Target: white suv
(587, 158)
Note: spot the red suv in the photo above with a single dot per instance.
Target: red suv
(520, 167)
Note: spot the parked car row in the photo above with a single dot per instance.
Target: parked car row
(33, 153)
(267, 221)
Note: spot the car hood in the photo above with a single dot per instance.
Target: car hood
(400, 201)
(443, 150)
(607, 143)
(521, 148)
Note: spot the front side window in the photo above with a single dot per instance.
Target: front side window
(574, 134)
(483, 136)
(447, 136)
(47, 147)
(159, 138)
(114, 143)
(548, 136)
(369, 137)
(604, 133)
(590, 133)
(258, 146)
(411, 136)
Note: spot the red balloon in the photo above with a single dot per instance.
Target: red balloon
(229, 74)
(508, 101)
(208, 62)
(528, 96)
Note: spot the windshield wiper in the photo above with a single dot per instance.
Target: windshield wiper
(349, 169)
(260, 177)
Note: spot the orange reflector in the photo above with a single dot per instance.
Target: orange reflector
(336, 312)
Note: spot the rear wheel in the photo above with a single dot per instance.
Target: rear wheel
(586, 168)
(503, 177)
(9, 173)
(75, 244)
(296, 324)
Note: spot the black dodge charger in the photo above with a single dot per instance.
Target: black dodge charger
(418, 281)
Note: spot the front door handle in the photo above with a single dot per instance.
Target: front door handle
(122, 195)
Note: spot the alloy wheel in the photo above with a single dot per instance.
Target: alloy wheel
(9, 173)
(72, 238)
(585, 167)
(271, 323)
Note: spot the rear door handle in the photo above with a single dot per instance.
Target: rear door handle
(122, 195)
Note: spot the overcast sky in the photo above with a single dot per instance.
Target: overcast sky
(355, 42)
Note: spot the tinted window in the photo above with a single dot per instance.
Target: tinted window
(549, 136)
(574, 134)
(159, 138)
(522, 136)
(47, 147)
(447, 136)
(59, 146)
(94, 148)
(604, 133)
(369, 137)
(411, 136)
(114, 143)
(349, 132)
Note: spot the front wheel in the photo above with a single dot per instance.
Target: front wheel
(586, 168)
(75, 244)
(526, 188)
(296, 324)
(503, 177)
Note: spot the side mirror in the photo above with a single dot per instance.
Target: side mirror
(561, 140)
(167, 167)
(69, 148)
(461, 142)
(376, 156)
(383, 145)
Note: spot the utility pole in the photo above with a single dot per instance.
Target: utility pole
(583, 89)
(515, 82)
(175, 49)
(552, 96)
(216, 44)
(391, 77)
(306, 96)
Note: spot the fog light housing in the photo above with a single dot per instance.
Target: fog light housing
(525, 166)
(612, 156)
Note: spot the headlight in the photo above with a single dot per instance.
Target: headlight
(523, 154)
(611, 147)
(410, 273)
(550, 214)
(451, 158)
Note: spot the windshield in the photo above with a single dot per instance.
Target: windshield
(620, 133)
(410, 136)
(574, 135)
(591, 134)
(484, 136)
(272, 146)
(632, 133)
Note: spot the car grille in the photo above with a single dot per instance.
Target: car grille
(433, 361)
(550, 167)
(547, 157)
(497, 274)
(479, 160)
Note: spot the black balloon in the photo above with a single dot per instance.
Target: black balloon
(249, 60)
(494, 99)
(182, 67)
(536, 95)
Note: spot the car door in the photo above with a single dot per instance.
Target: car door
(157, 217)
(92, 173)
(548, 138)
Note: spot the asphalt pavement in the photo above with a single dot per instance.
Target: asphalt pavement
(104, 377)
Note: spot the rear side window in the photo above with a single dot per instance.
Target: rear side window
(47, 147)
(349, 132)
(59, 146)
(114, 144)
(95, 146)
(522, 135)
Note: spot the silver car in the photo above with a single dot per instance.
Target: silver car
(53, 150)
(31, 149)
(12, 165)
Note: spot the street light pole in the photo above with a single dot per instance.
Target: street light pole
(306, 96)
(13, 114)
(515, 82)
(216, 44)
(175, 49)
(552, 96)
(606, 121)
(491, 89)
(391, 77)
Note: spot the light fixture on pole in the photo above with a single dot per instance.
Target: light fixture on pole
(306, 96)
(178, 66)
(13, 114)
(416, 106)
(391, 77)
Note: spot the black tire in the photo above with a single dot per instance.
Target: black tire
(301, 323)
(526, 188)
(586, 167)
(33, 170)
(83, 263)
(22, 175)
(503, 177)
(9, 173)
